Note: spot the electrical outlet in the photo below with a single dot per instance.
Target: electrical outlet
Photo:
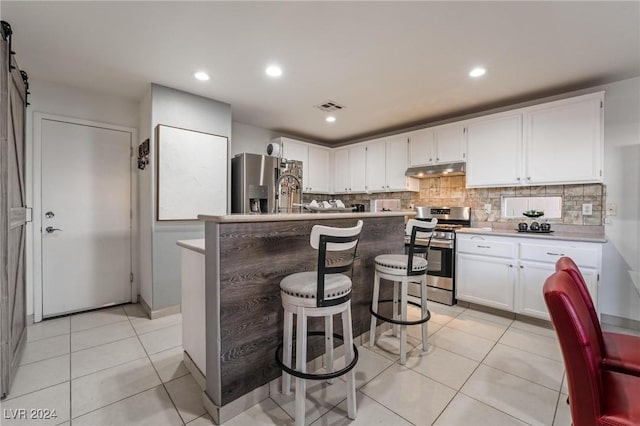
(612, 209)
(487, 208)
(587, 209)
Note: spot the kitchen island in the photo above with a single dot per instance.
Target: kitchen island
(246, 256)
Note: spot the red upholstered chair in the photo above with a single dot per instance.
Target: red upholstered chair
(598, 396)
(621, 352)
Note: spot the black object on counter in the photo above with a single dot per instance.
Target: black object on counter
(358, 207)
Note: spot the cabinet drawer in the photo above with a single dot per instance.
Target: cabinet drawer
(487, 247)
(583, 256)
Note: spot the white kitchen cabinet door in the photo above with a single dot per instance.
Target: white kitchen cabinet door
(375, 168)
(485, 280)
(396, 163)
(564, 141)
(299, 151)
(494, 147)
(450, 143)
(531, 278)
(294, 150)
(358, 169)
(341, 168)
(319, 170)
(421, 148)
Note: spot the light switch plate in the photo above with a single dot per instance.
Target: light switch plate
(587, 209)
(487, 208)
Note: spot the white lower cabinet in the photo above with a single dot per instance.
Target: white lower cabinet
(485, 280)
(486, 270)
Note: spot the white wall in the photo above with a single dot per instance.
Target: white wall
(188, 111)
(252, 139)
(618, 296)
(67, 101)
(145, 213)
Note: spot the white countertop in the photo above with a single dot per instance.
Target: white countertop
(284, 217)
(195, 245)
(556, 235)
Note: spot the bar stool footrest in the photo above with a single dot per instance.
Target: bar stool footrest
(313, 376)
(400, 322)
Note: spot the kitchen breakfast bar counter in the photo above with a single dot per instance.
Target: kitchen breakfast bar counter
(246, 256)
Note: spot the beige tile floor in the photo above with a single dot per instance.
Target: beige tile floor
(116, 367)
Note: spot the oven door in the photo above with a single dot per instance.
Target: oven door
(440, 261)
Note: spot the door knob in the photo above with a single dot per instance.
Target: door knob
(51, 229)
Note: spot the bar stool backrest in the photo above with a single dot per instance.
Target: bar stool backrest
(418, 229)
(328, 239)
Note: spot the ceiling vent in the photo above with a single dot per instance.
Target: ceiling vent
(330, 106)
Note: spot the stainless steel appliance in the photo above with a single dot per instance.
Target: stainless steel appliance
(264, 184)
(441, 255)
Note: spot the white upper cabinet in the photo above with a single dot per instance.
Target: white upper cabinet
(357, 168)
(376, 163)
(397, 150)
(441, 144)
(421, 148)
(341, 175)
(316, 164)
(494, 148)
(450, 143)
(563, 141)
(349, 169)
(293, 149)
(555, 143)
(319, 170)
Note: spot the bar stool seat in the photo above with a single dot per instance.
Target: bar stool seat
(322, 293)
(396, 264)
(402, 269)
(303, 285)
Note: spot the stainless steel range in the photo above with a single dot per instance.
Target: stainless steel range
(441, 255)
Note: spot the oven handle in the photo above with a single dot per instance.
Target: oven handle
(438, 244)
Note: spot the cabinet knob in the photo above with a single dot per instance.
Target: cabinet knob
(430, 159)
(437, 159)
(521, 267)
(382, 186)
(528, 177)
(510, 266)
(518, 179)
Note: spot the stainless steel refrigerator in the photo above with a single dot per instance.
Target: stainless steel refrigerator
(264, 184)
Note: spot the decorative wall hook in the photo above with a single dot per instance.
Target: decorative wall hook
(143, 154)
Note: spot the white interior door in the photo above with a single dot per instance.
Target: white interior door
(86, 217)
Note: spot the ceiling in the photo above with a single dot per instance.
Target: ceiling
(392, 64)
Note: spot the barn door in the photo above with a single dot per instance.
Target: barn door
(13, 212)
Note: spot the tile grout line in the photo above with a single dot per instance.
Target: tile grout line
(162, 383)
(458, 391)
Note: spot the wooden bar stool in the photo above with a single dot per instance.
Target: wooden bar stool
(403, 269)
(322, 293)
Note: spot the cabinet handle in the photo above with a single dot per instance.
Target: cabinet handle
(521, 267)
(518, 179)
(477, 237)
(479, 246)
(555, 254)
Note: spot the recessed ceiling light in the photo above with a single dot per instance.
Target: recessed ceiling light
(273, 71)
(201, 75)
(477, 72)
(330, 119)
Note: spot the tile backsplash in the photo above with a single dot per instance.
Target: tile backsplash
(451, 191)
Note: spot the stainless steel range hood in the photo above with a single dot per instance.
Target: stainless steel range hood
(435, 170)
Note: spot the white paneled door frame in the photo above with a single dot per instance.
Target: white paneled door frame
(36, 258)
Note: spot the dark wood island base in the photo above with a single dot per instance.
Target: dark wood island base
(246, 256)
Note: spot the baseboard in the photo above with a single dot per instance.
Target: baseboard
(620, 322)
(159, 313)
(225, 413)
(194, 370)
(30, 319)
